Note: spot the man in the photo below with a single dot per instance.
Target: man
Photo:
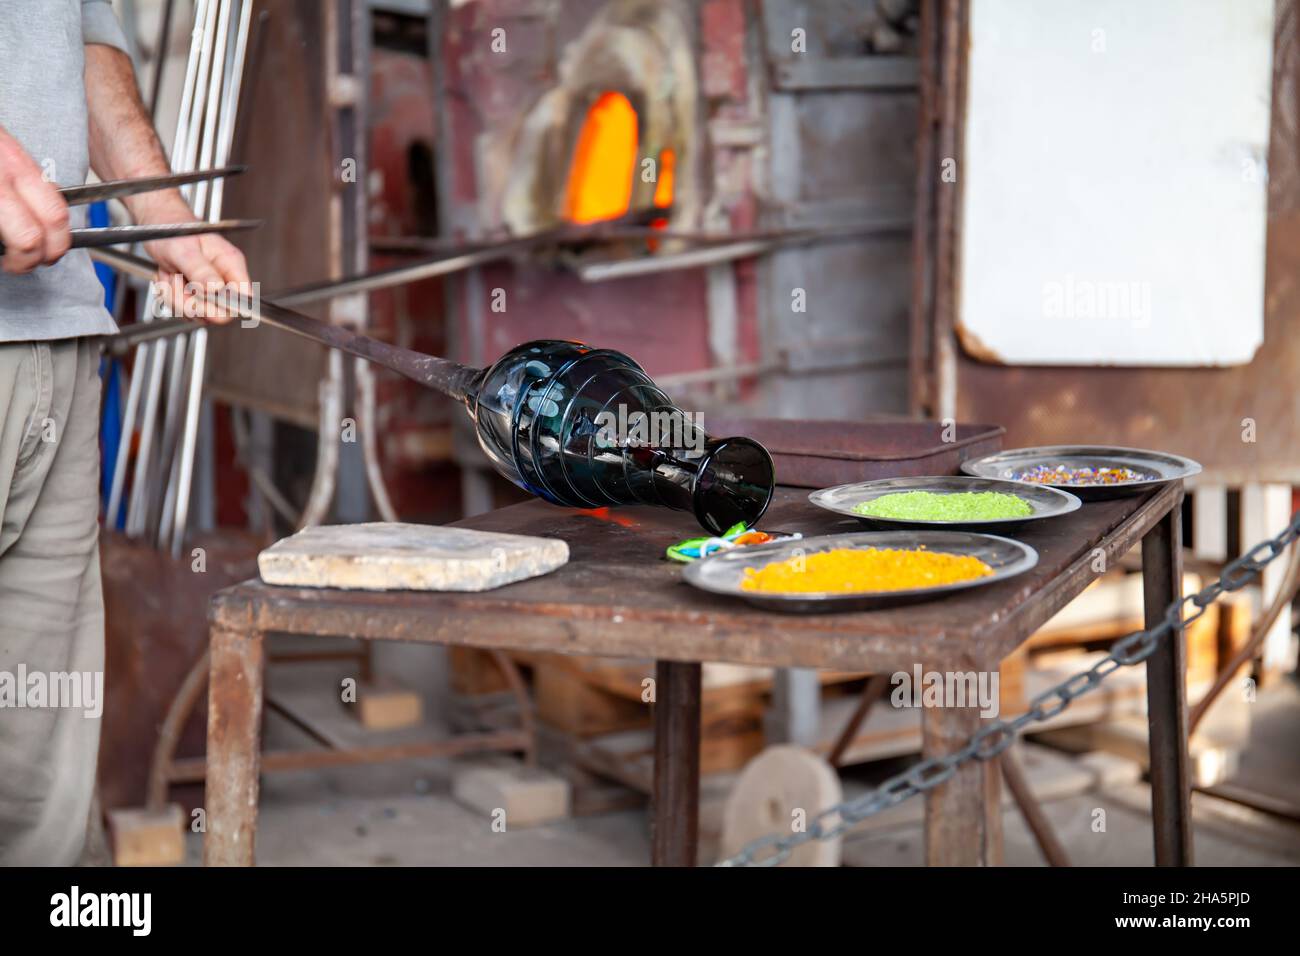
(68, 98)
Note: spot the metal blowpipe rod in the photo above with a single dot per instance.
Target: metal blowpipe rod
(442, 375)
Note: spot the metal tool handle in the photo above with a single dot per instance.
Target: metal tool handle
(121, 188)
(94, 238)
(443, 375)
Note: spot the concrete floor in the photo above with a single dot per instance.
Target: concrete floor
(403, 814)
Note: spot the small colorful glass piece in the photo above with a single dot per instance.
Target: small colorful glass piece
(737, 535)
(1063, 474)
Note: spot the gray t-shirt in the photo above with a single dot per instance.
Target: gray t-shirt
(43, 106)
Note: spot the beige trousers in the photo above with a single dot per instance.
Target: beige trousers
(51, 604)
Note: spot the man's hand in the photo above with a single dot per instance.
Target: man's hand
(33, 216)
(122, 146)
(192, 268)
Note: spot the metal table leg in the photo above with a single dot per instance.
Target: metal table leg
(234, 746)
(675, 833)
(1162, 574)
(796, 707)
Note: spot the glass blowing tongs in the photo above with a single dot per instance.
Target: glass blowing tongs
(116, 189)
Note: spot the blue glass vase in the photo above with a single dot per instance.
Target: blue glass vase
(587, 428)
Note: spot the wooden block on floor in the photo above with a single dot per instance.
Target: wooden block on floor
(528, 795)
(141, 837)
(386, 705)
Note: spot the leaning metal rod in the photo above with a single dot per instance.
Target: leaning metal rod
(123, 341)
(160, 56)
(215, 103)
(184, 155)
(463, 256)
(189, 363)
(325, 477)
(401, 275)
(443, 375)
(179, 508)
(239, 428)
(155, 507)
(235, 84)
(472, 256)
(142, 364)
(367, 414)
(185, 361)
(152, 376)
(618, 230)
(717, 253)
(197, 153)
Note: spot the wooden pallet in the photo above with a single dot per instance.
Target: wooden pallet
(580, 698)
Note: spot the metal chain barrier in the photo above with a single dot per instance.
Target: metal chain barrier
(996, 737)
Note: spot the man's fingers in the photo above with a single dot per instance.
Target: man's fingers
(227, 259)
(33, 216)
(190, 262)
(21, 233)
(200, 280)
(212, 269)
(187, 299)
(51, 212)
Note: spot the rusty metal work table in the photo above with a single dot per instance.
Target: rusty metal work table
(618, 597)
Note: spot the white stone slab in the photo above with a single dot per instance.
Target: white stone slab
(391, 556)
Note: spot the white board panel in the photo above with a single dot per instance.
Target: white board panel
(1114, 185)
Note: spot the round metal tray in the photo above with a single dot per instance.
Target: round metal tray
(1046, 502)
(722, 573)
(1163, 467)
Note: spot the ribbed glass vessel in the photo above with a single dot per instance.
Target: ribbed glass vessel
(587, 428)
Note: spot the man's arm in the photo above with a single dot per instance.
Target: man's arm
(123, 145)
